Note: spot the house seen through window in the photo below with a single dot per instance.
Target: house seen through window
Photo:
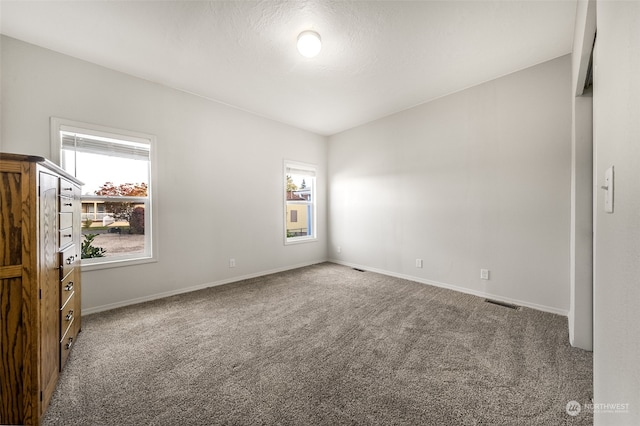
(116, 196)
(300, 207)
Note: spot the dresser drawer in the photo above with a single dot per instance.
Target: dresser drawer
(67, 288)
(67, 204)
(68, 260)
(65, 220)
(67, 315)
(68, 330)
(66, 237)
(68, 189)
(65, 348)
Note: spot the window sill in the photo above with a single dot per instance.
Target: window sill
(117, 263)
(299, 240)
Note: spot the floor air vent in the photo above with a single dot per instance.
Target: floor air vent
(358, 269)
(505, 304)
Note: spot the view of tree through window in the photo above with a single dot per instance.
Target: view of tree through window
(125, 211)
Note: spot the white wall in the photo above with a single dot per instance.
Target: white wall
(581, 252)
(219, 171)
(477, 179)
(616, 115)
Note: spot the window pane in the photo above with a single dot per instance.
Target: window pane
(300, 187)
(114, 228)
(97, 170)
(300, 208)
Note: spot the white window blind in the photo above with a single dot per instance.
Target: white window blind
(297, 170)
(92, 144)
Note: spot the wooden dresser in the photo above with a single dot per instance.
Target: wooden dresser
(40, 220)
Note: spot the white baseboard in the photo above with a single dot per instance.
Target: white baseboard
(457, 288)
(95, 309)
(87, 311)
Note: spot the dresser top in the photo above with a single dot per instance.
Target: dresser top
(7, 156)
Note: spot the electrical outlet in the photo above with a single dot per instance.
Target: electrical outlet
(232, 263)
(484, 274)
(418, 263)
(339, 249)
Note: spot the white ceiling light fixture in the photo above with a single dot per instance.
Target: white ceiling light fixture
(309, 44)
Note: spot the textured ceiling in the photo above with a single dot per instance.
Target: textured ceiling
(378, 57)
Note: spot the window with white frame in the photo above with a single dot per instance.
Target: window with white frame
(117, 169)
(300, 202)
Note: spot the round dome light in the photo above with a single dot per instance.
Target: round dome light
(309, 44)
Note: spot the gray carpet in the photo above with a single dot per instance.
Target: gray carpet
(322, 345)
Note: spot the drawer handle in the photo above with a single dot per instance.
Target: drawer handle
(69, 316)
(67, 204)
(70, 260)
(67, 235)
(67, 189)
(69, 286)
(69, 343)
